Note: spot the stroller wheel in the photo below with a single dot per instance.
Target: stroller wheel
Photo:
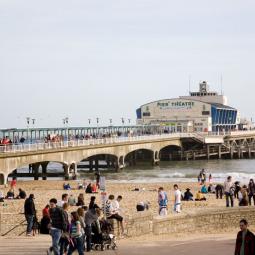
(102, 247)
(97, 247)
(108, 246)
(114, 247)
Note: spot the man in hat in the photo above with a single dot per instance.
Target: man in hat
(188, 196)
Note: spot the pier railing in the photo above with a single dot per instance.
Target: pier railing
(13, 148)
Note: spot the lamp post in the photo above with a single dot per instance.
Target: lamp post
(65, 122)
(28, 122)
(97, 119)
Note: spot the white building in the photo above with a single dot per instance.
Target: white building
(202, 111)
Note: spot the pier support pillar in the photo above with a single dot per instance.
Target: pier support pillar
(44, 170)
(3, 179)
(35, 169)
(249, 152)
(208, 151)
(91, 165)
(219, 151)
(96, 165)
(194, 155)
(66, 172)
(231, 152)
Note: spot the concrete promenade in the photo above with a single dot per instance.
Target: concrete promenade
(209, 245)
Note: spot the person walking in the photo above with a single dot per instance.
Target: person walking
(162, 201)
(29, 210)
(245, 240)
(219, 191)
(228, 189)
(91, 216)
(76, 235)
(251, 191)
(57, 225)
(177, 199)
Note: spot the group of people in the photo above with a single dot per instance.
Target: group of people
(71, 231)
(245, 194)
(163, 200)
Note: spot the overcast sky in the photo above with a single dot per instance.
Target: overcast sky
(87, 59)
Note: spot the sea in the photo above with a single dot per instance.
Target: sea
(173, 171)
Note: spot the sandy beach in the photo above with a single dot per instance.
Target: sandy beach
(44, 190)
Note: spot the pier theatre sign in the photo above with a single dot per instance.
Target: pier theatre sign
(175, 105)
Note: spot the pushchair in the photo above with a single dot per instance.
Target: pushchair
(102, 236)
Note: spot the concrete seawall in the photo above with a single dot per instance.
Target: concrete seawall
(211, 221)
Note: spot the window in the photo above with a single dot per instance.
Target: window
(146, 114)
(205, 112)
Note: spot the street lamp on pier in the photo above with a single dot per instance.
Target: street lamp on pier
(97, 119)
(65, 122)
(28, 123)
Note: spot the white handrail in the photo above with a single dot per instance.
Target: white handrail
(13, 148)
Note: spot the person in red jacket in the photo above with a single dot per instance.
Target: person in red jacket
(245, 240)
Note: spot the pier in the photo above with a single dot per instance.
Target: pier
(115, 153)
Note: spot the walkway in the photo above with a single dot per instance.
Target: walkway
(209, 246)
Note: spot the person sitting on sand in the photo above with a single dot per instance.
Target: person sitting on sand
(71, 200)
(204, 189)
(80, 200)
(89, 189)
(66, 186)
(10, 194)
(94, 188)
(211, 188)
(64, 200)
(188, 196)
(142, 206)
(200, 196)
(22, 194)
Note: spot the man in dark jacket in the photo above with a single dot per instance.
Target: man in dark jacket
(29, 210)
(58, 224)
(245, 240)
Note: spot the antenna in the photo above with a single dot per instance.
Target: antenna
(189, 83)
(221, 84)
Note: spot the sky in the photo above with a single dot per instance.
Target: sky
(103, 59)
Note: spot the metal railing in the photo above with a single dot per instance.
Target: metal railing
(13, 148)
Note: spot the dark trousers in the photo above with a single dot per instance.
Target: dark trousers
(88, 231)
(219, 194)
(63, 243)
(78, 245)
(252, 196)
(229, 197)
(30, 220)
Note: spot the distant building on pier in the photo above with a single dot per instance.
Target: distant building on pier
(201, 111)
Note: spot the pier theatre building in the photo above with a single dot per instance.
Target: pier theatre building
(202, 111)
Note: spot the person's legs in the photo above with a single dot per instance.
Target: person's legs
(221, 194)
(253, 199)
(79, 242)
(217, 194)
(29, 219)
(227, 199)
(249, 199)
(231, 200)
(56, 235)
(71, 249)
(88, 237)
